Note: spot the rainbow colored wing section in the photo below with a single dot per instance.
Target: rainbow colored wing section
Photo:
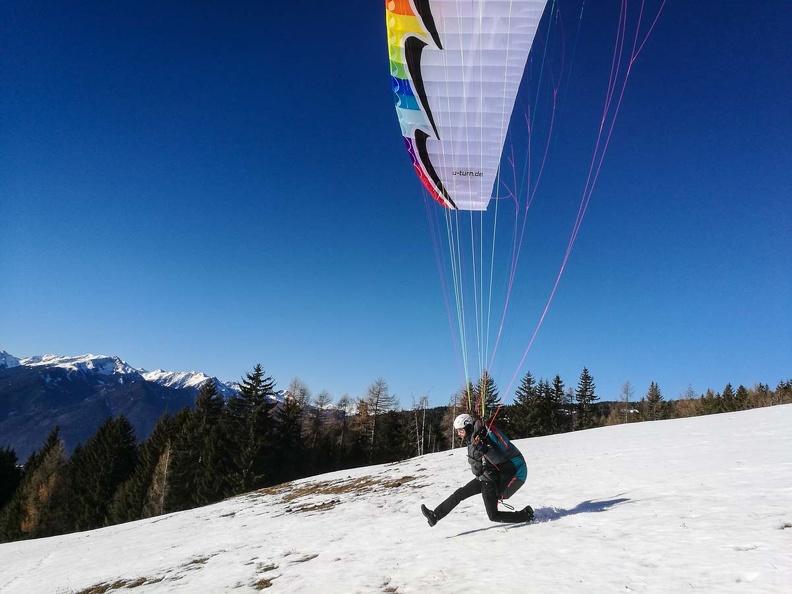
(456, 66)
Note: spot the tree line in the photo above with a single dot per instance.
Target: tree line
(219, 448)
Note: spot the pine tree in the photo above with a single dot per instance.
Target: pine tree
(251, 426)
(525, 401)
(213, 472)
(394, 443)
(182, 463)
(30, 512)
(97, 470)
(741, 398)
(485, 397)
(654, 402)
(783, 392)
(555, 404)
(544, 420)
(288, 447)
(10, 475)
(710, 403)
(728, 403)
(585, 398)
(129, 501)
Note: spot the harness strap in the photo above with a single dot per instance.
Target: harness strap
(492, 420)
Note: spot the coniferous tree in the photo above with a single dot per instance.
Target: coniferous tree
(710, 403)
(288, 448)
(524, 404)
(97, 470)
(10, 475)
(585, 398)
(536, 416)
(654, 402)
(30, 513)
(486, 398)
(544, 419)
(181, 463)
(212, 475)
(555, 405)
(130, 499)
(784, 392)
(251, 426)
(741, 398)
(727, 399)
(192, 467)
(395, 443)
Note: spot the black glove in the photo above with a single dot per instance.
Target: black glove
(480, 446)
(489, 473)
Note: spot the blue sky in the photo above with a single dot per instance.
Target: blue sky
(213, 185)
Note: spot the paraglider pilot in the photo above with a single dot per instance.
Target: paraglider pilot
(498, 466)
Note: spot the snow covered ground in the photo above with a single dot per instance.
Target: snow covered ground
(690, 505)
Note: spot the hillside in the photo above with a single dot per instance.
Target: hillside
(691, 505)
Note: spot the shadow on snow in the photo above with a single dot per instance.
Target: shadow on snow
(551, 514)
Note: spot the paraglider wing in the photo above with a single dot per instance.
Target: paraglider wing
(456, 66)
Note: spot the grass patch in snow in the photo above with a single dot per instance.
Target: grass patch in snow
(104, 587)
(289, 492)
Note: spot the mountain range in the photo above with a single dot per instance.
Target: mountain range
(79, 393)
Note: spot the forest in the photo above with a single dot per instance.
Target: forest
(259, 438)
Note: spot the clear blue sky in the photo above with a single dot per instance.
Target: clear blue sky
(207, 186)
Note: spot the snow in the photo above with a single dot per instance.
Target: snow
(176, 379)
(7, 360)
(98, 364)
(690, 505)
(186, 379)
(112, 365)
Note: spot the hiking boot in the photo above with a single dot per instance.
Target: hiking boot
(430, 515)
(526, 514)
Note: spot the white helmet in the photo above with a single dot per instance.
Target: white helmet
(462, 420)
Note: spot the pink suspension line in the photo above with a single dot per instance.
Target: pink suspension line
(600, 147)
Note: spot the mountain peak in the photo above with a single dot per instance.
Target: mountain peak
(7, 360)
(105, 365)
(98, 364)
(186, 379)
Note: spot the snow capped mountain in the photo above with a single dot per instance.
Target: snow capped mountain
(93, 364)
(187, 379)
(7, 360)
(79, 393)
(107, 365)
